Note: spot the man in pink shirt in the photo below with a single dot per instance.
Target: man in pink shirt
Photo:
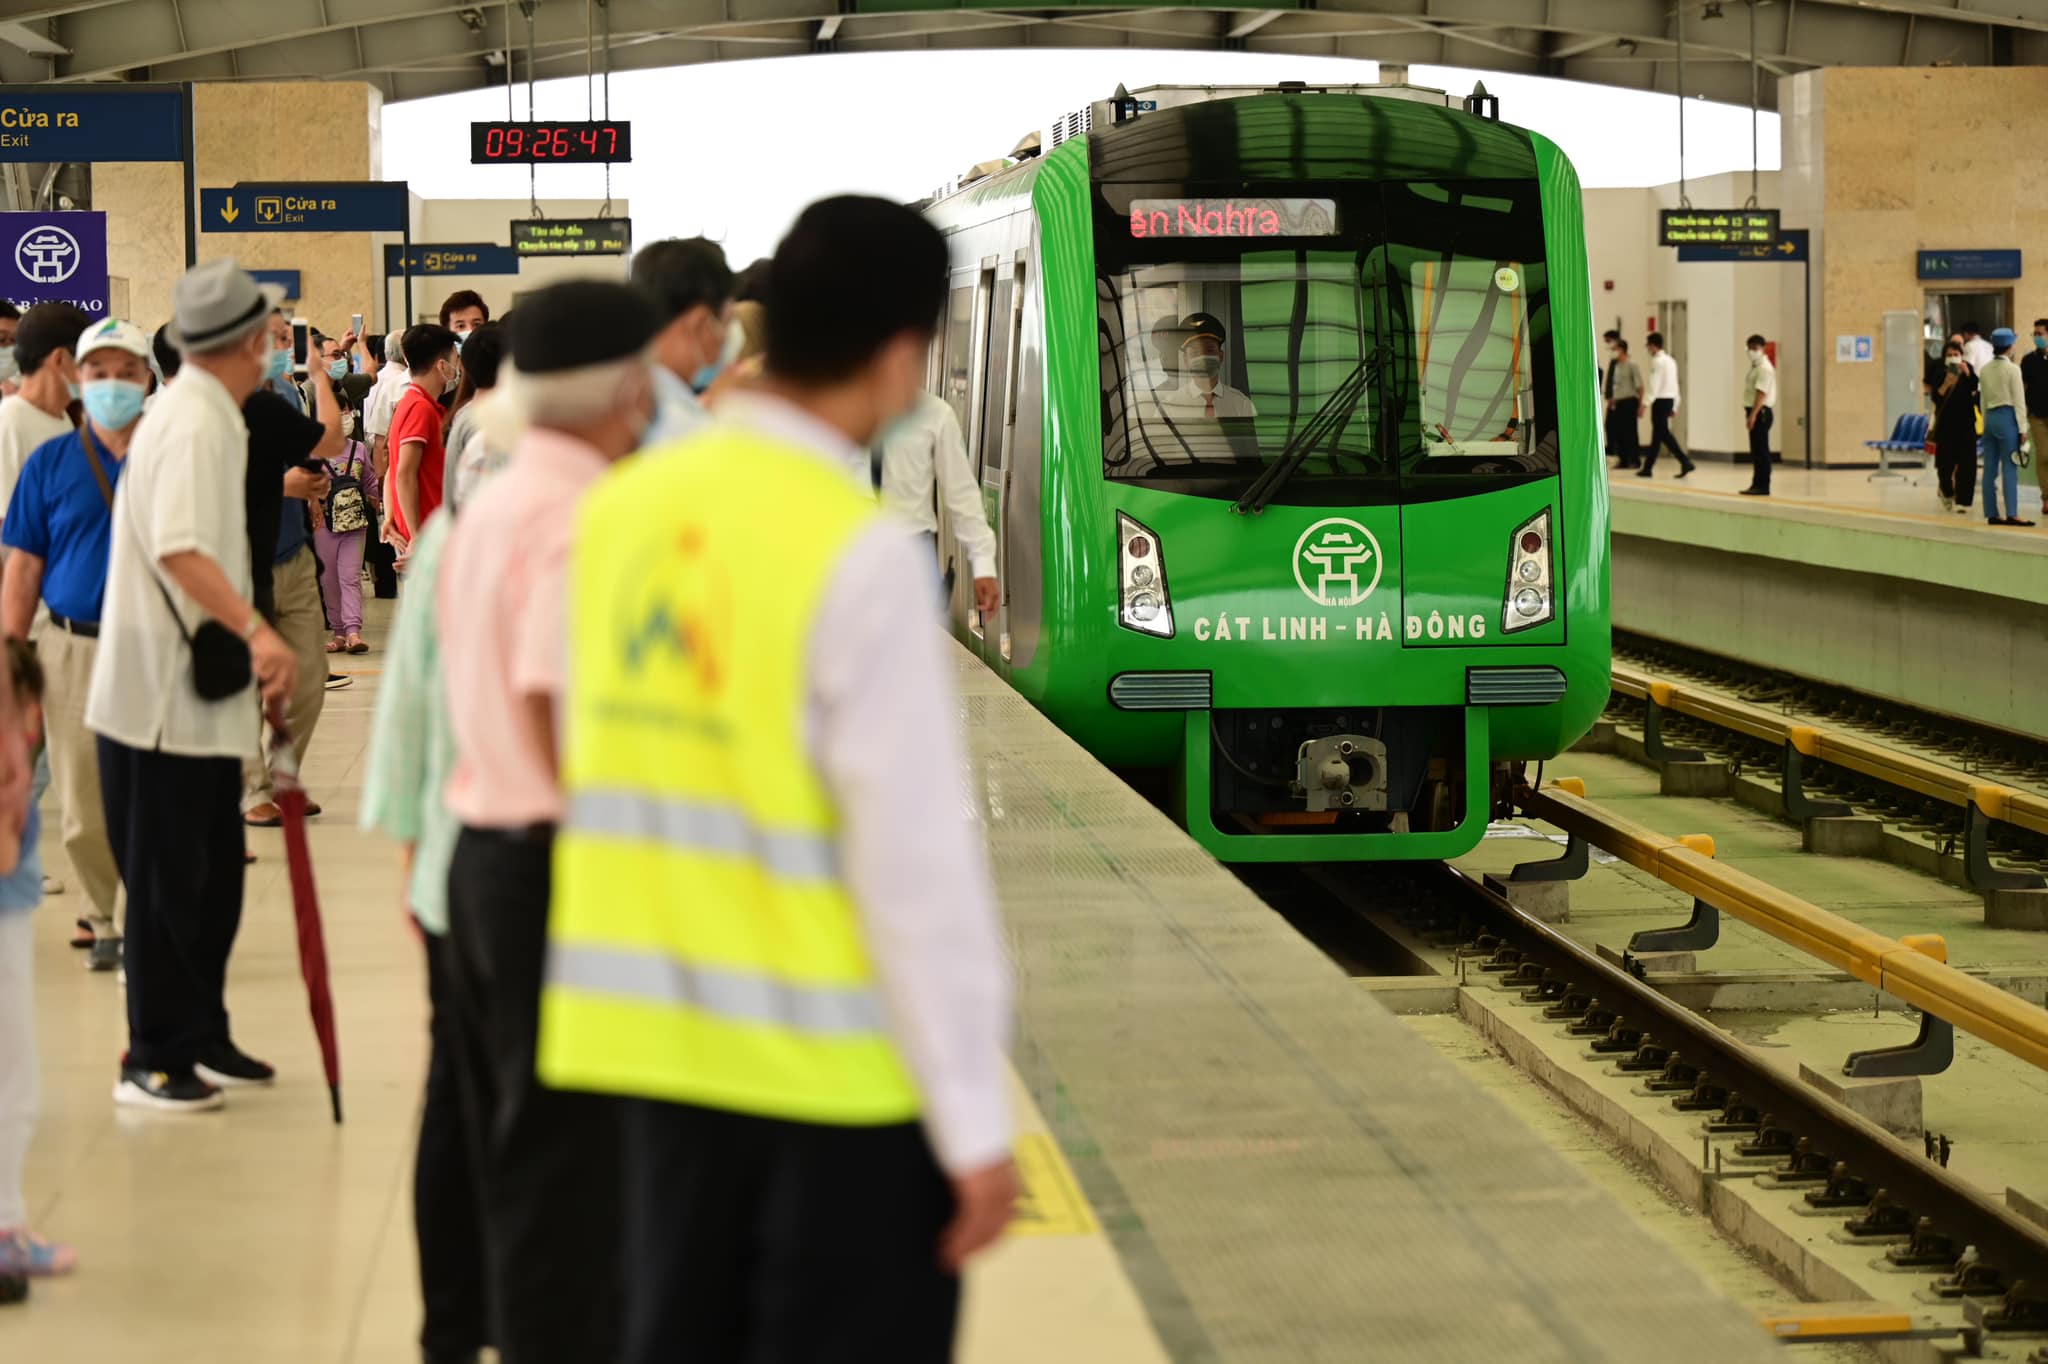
(549, 1165)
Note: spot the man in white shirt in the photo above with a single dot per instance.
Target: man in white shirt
(1975, 348)
(177, 599)
(1663, 393)
(44, 344)
(1759, 402)
(1202, 392)
(858, 1231)
(691, 288)
(922, 451)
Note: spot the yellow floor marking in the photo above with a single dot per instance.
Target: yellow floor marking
(1051, 1203)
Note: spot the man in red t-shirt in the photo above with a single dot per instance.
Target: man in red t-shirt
(415, 437)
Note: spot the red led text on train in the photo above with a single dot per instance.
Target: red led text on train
(1233, 218)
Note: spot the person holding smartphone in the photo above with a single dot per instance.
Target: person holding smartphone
(287, 471)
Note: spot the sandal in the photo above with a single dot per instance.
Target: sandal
(335, 645)
(355, 645)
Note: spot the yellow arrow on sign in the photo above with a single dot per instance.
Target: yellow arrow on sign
(228, 211)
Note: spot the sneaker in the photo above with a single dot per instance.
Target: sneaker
(106, 954)
(52, 886)
(23, 1253)
(336, 681)
(139, 1088)
(224, 1064)
(1948, 503)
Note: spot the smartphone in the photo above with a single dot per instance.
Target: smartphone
(302, 341)
(355, 323)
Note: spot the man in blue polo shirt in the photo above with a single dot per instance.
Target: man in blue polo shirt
(56, 529)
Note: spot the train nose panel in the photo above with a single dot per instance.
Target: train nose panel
(1302, 575)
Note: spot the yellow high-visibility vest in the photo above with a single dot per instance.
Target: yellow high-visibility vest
(702, 946)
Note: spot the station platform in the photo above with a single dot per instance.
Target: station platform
(1230, 1151)
(1838, 575)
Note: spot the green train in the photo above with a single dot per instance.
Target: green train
(1284, 407)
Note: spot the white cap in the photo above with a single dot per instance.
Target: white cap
(115, 334)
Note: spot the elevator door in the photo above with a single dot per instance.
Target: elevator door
(1671, 322)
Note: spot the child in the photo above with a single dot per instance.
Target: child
(22, 1256)
(341, 530)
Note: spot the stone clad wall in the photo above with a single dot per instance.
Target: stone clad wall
(1885, 162)
(300, 130)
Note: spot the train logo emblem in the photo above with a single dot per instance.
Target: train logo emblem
(47, 255)
(1337, 562)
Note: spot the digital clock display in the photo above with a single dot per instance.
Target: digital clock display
(523, 144)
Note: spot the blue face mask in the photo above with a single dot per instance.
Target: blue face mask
(2040, 341)
(72, 386)
(112, 403)
(280, 361)
(735, 341)
(338, 370)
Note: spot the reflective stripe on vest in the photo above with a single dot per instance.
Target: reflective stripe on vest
(702, 947)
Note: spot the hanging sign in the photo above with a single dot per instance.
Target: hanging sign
(572, 236)
(1717, 226)
(305, 206)
(452, 258)
(52, 123)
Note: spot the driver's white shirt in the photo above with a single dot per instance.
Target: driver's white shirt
(1190, 400)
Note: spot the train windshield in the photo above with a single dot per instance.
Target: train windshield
(1408, 361)
(1213, 369)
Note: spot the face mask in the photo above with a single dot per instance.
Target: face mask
(1755, 354)
(9, 369)
(338, 370)
(2040, 341)
(72, 387)
(276, 365)
(727, 355)
(112, 403)
(460, 337)
(1204, 366)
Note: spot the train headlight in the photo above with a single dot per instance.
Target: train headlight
(1143, 603)
(1531, 594)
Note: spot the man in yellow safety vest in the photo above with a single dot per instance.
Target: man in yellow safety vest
(773, 929)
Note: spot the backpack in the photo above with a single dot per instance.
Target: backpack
(348, 505)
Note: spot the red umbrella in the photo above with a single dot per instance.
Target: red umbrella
(291, 803)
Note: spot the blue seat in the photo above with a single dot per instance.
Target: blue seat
(1891, 442)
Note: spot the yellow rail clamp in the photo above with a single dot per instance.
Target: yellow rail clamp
(1573, 786)
(1992, 800)
(1661, 693)
(1804, 738)
(1927, 945)
(1703, 844)
(1839, 1321)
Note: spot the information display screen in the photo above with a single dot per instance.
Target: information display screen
(572, 236)
(1238, 218)
(521, 144)
(1717, 227)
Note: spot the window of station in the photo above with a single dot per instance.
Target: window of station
(1473, 384)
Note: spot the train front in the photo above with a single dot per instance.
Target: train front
(1351, 458)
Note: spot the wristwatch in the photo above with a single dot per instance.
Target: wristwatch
(255, 623)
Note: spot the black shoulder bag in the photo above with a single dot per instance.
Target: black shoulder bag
(220, 659)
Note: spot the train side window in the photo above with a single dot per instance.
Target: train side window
(959, 351)
(995, 402)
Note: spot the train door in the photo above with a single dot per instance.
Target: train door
(998, 424)
(971, 430)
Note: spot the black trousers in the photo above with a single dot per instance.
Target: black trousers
(175, 824)
(1621, 432)
(383, 562)
(1955, 467)
(445, 1218)
(1760, 449)
(547, 1160)
(755, 1241)
(1660, 434)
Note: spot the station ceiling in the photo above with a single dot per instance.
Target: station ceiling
(414, 48)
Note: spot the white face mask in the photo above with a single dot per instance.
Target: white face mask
(1755, 354)
(10, 368)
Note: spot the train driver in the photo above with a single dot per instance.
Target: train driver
(1202, 392)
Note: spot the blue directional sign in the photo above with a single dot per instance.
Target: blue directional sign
(287, 280)
(91, 123)
(305, 206)
(1970, 264)
(1789, 249)
(452, 258)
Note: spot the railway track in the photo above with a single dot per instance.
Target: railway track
(1994, 755)
(1773, 1161)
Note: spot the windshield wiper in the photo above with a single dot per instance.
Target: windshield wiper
(1332, 416)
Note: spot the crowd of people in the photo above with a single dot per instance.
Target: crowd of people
(1984, 404)
(715, 1048)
